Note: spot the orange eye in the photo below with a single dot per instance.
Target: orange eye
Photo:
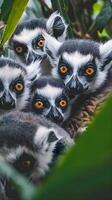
(63, 103)
(19, 50)
(39, 105)
(41, 43)
(89, 71)
(19, 87)
(63, 69)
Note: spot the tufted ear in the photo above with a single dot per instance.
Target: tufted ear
(53, 135)
(56, 26)
(46, 136)
(106, 54)
(51, 46)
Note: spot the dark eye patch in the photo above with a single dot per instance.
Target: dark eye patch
(63, 62)
(20, 45)
(42, 99)
(24, 163)
(1, 86)
(59, 99)
(36, 40)
(82, 70)
(14, 82)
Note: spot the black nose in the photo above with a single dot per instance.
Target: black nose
(7, 102)
(55, 116)
(70, 90)
(74, 87)
(79, 86)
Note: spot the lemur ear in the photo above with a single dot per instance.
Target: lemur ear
(45, 136)
(53, 136)
(51, 46)
(106, 53)
(56, 26)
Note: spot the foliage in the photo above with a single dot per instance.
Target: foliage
(86, 19)
(11, 17)
(85, 171)
(26, 189)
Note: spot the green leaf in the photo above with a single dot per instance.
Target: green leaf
(1, 2)
(13, 19)
(33, 10)
(7, 6)
(104, 16)
(97, 7)
(86, 171)
(26, 189)
(103, 33)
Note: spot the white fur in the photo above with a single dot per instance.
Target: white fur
(23, 100)
(17, 152)
(51, 43)
(34, 69)
(100, 76)
(45, 154)
(105, 49)
(42, 135)
(9, 73)
(26, 36)
(77, 59)
(50, 92)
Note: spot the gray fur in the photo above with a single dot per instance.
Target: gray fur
(78, 55)
(22, 134)
(27, 35)
(50, 91)
(12, 73)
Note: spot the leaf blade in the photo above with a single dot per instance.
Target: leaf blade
(13, 19)
(85, 172)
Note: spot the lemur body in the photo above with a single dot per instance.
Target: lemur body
(27, 42)
(31, 145)
(83, 65)
(50, 100)
(15, 84)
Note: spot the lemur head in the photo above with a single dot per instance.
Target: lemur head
(31, 145)
(83, 65)
(14, 85)
(49, 99)
(27, 42)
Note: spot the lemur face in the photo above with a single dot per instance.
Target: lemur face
(83, 65)
(27, 41)
(49, 100)
(31, 145)
(14, 89)
(14, 85)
